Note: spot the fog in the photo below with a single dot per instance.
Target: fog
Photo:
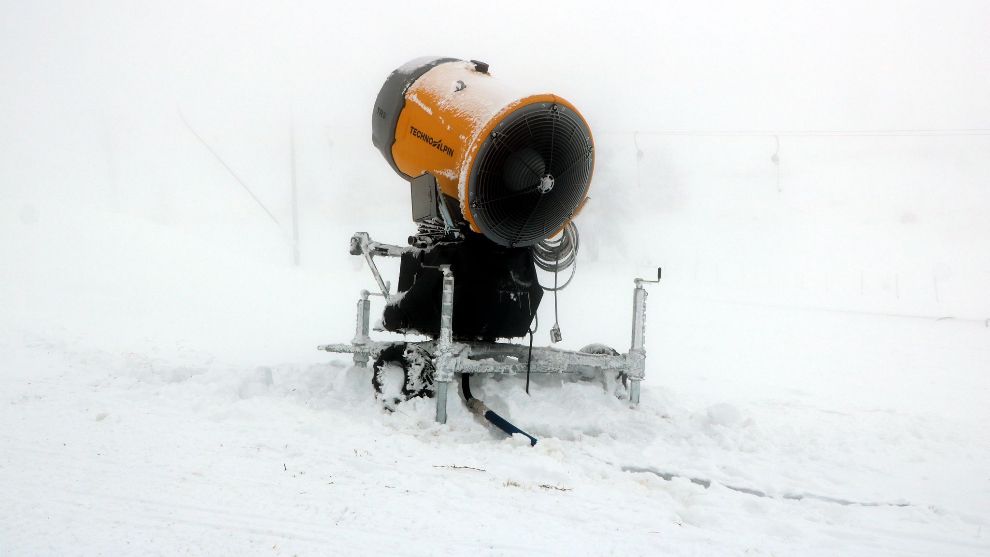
(875, 113)
(813, 178)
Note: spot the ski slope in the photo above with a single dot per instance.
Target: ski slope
(811, 176)
(143, 415)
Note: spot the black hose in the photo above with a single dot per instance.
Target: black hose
(480, 409)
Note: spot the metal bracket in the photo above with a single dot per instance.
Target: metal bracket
(362, 244)
(428, 205)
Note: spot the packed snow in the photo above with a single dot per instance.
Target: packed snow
(141, 413)
(817, 377)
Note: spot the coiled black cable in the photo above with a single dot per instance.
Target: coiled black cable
(559, 253)
(556, 254)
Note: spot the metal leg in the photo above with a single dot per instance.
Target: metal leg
(444, 358)
(442, 401)
(634, 391)
(637, 352)
(362, 330)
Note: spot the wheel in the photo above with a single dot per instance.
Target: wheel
(617, 383)
(600, 349)
(401, 372)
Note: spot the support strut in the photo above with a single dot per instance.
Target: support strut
(444, 362)
(362, 330)
(637, 352)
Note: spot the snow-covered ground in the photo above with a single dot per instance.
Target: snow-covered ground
(144, 411)
(812, 178)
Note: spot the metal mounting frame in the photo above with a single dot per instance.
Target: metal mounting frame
(451, 357)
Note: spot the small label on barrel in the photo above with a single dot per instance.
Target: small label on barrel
(435, 143)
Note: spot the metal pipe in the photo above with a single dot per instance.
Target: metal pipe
(637, 352)
(491, 358)
(444, 363)
(446, 310)
(442, 401)
(362, 329)
(378, 277)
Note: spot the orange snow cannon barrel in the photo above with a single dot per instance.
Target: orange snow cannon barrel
(514, 167)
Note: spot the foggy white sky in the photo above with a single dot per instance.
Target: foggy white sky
(698, 65)
(90, 92)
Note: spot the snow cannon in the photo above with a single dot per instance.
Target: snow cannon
(496, 177)
(514, 167)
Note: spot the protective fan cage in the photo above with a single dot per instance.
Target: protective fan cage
(536, 146)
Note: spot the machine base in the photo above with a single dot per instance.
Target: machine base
(449, 356)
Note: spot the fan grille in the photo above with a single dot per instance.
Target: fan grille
(531, 174)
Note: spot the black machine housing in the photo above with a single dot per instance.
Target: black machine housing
(496, 291)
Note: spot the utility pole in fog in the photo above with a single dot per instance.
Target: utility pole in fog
(295, 195)
(292, 184)
(109, 147)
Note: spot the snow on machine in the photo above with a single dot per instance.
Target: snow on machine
(496, 179)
